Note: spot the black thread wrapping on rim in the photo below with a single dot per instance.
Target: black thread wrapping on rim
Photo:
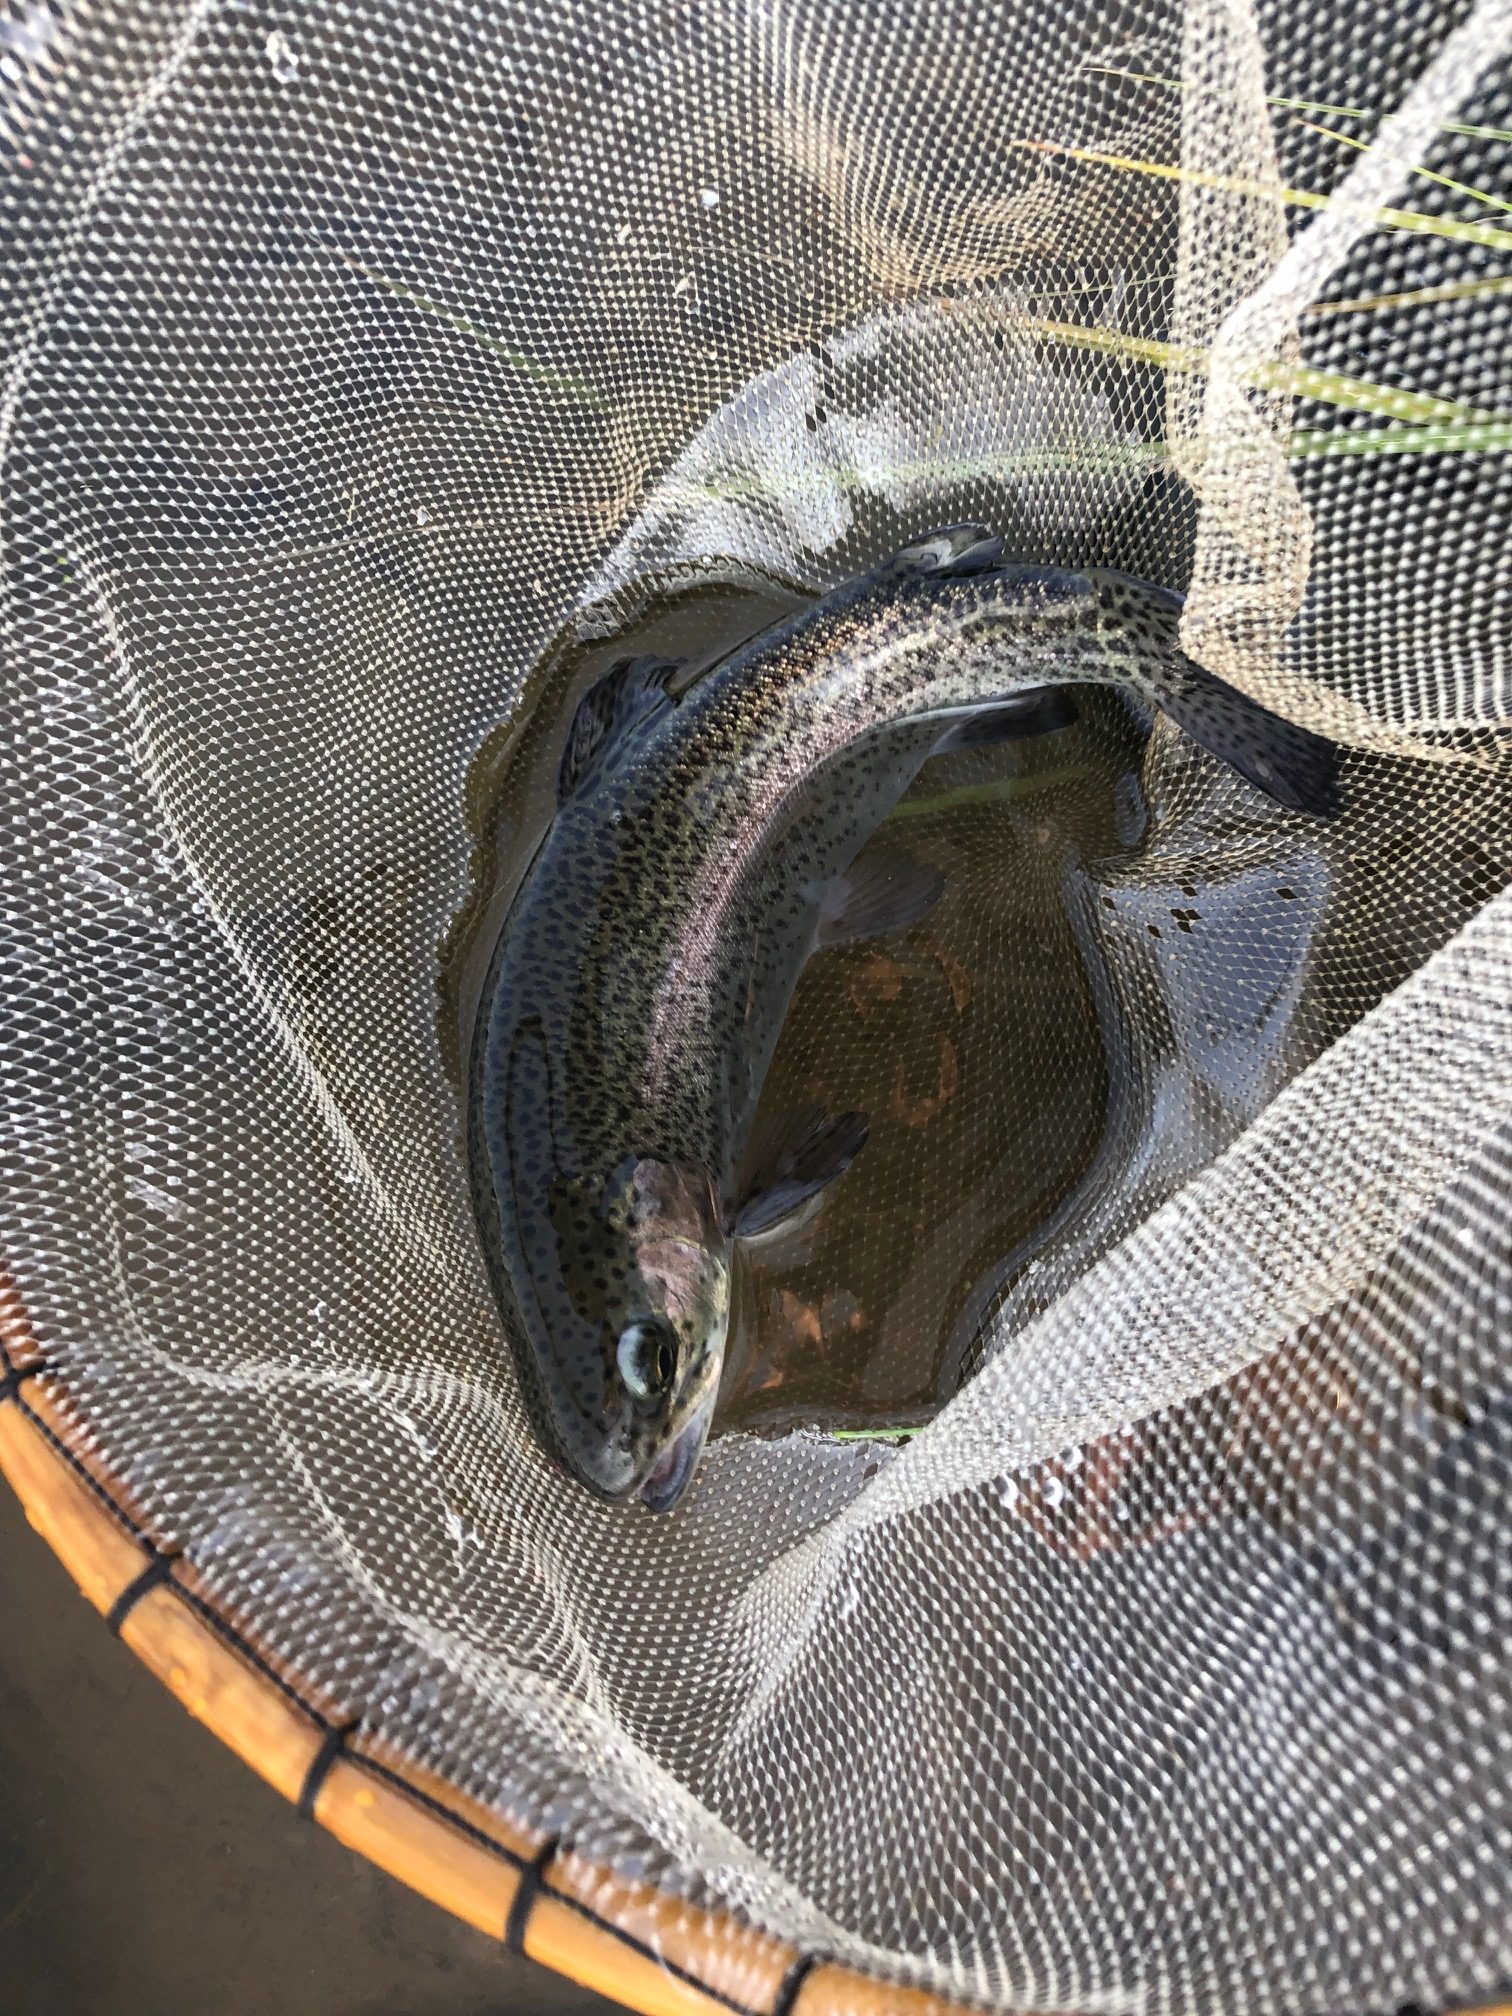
(14, 1377)
(792, 1984)
(158, 1572)
(332, 1745)
(159, 1569)
(532, 1880)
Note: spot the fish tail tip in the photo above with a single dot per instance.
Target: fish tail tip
(1299, 769)
(1318, 789)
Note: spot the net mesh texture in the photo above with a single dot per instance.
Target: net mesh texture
(358, 353)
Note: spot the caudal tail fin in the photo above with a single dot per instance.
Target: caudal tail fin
(1290, 764)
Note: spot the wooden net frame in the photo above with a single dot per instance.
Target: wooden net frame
(647, 1950)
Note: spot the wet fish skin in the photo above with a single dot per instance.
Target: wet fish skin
(643, 974)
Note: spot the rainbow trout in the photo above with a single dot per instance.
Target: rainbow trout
(704, 843)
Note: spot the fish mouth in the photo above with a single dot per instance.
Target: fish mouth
(672, 1472)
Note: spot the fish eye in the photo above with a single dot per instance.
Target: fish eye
(647, 1357)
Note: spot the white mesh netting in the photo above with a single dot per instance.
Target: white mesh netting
(353, 352)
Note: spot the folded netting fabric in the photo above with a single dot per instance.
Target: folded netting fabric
(357, 353)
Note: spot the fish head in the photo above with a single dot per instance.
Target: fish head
(645, 1270)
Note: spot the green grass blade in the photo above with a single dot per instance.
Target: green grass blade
(1417, 168)
(1304, 381)
(1415, 297)
(1466, 231)
(1488, 437)
(528, 367)
(1309, 105)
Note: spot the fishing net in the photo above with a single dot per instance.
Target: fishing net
(362, 356)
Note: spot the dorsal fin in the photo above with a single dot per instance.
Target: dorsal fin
(626, 695)
(794, 1157)
(953, 549)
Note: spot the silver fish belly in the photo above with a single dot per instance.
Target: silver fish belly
(702, 846)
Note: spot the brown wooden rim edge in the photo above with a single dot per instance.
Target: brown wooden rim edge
(648, 1950)
(577, 1917)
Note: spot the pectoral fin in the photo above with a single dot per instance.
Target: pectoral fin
(627, 694)
(882, 890)
(794, 1159)
(1039, 712)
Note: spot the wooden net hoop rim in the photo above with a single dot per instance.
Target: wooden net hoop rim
(644, 1948)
